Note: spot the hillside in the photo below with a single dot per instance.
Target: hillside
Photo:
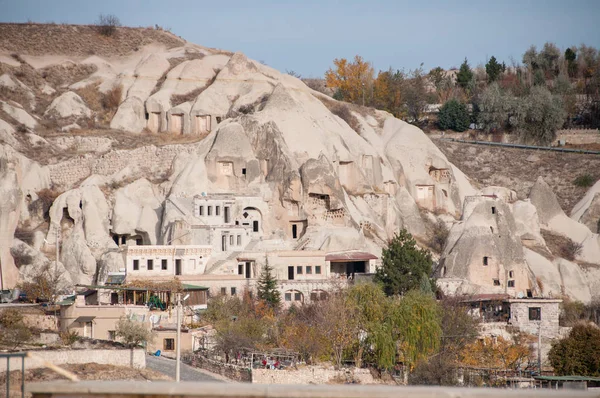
(518, 169)
(106, 142)
(80, 40)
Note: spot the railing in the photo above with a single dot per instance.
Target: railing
(521, 146)
(21, 355)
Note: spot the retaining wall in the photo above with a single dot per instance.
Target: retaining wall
(313, 375)
(232, 372)
(135, 358)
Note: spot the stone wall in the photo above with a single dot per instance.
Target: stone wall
(577, 136)
(230, 371)
(150, 161)
(313, 375)
(124, 357)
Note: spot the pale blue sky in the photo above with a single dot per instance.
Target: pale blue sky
(305, 36)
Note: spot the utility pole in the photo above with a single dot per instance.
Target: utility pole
(178, 340)
(540, 348)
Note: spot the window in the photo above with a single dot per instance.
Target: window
(217, 210)
(136, 265)
(233, 291)
(150, 264)
(123, 240)
(511, 274)
(239, 240)
(298, 270)
(493, 210)
(163, 264)
(230, 240)
(496, 282)
(243, 172)
(209, 210)
(139, 241)
(308, 270)
(223, 291)
(511, 283)
(318, 269)
(169, 344)
(288, 297)
(112, 334)
(297, 296)
(485, 260)
(240, 269)
(201, 210)
(535, 314)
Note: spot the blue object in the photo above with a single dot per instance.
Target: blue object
(157, 354)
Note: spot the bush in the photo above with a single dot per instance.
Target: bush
(577, 354)
(439, 236)
(112, 98)
(13, 331)
(584, 180)
(68, 337)
(133, 333)
(343, 112)
(454, 116)
(108, 24)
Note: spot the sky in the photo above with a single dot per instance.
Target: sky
(306, 36)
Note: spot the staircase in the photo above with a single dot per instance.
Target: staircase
(218, 263)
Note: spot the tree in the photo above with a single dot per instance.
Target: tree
(416, 322)
(464, 75)
(494, 69)
(13, 330)
(351, 79)
(549, 58)
(498, 110)
(571, 58)
(544, 114)
(579, 353)
(442, 83)
(44, 285)
(266, 287)
(107, 24)
(132, 332)
(415, 94)
(403, 264)
(498, 353)
(531, 59)
(454, 116)
(338, 325)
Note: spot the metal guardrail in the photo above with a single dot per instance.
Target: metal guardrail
(521, 146)
(21, 355)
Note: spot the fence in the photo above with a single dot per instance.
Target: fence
(8, 358)
(521, 146)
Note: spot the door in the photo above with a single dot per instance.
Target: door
(248, 268)
(291, 273)
(226, 215)
(224, 243)
(294, 231)
(255, 226)
(178, 266)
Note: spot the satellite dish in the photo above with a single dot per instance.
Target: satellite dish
(203, 193)
(520, 295)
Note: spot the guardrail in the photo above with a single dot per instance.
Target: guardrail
(21, 355)
(521, 146)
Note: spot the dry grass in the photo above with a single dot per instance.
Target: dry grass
(42, 39)
(192, 95)
(66, 74)
(90, 371)
(508, 167)
(91, 96)
(112, 98)
(561, 246)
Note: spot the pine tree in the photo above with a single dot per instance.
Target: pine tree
(403, 264)
(267, 287)
(493, 69)
(464, 75)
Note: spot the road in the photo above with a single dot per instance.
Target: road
(188, 373)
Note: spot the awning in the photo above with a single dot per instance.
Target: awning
(85, 319)
(349, 256)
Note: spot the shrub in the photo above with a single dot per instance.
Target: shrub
(584, 180)
(343, 111)
(112, 98)
(108, 24)
(571, 250)
(578, 353)
(68, 337)
(133, 333)
(454, 116)
(13, 331)
(439, 236)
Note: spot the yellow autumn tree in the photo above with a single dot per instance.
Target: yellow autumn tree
(351, 80)
(498, 353)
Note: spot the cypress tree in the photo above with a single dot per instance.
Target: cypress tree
(267, 286)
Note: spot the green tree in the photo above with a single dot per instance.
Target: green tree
(579, 353)
(417, 323)
(464, 75)
(544, 114)
(132, 332)
(498, 110)
(494, 69)
(454, 116)
(571, 58)
(266, 287)
(403, 264)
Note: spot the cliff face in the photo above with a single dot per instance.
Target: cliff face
(125, 148)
